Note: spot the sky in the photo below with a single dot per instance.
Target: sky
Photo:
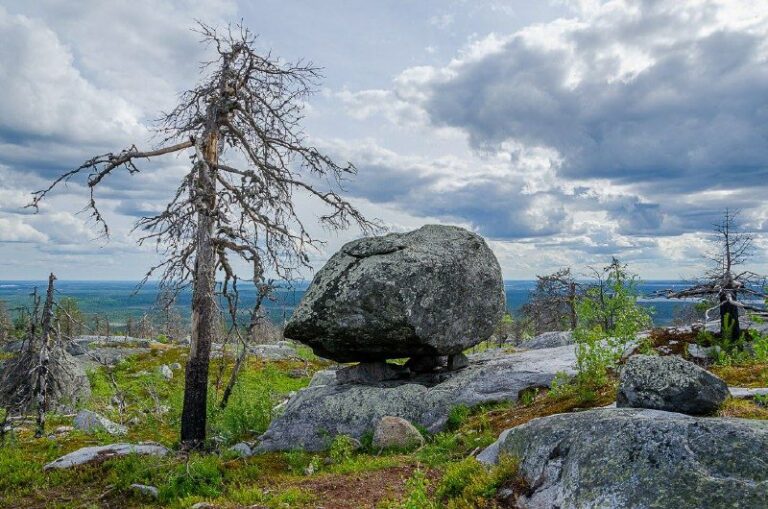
(564, 132)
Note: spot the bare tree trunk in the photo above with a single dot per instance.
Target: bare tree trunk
(204, 314)
(44, 358)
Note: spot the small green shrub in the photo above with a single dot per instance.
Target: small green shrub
(199, 476)
(469, 485)
(457, 416)
(342, 448)
(609, 319)
(417, 494)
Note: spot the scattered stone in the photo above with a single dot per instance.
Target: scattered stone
(368, 372)
(297, 373)
(276, 352)
(396, 433)
(175, 366)
(311, 419)
(702, 353)
(669, 383)
(99, 453)
(203, 505)
(60, 430)
(166, 372)
(147, 491)
(457, 361)
(242, 449)
(548, 340)
(437, 290)
(91, 422)
(637, 458)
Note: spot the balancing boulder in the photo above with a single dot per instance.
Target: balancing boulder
(434, 291)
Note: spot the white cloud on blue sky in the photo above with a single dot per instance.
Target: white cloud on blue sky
(565, 132)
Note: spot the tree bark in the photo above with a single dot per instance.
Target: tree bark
(194, 413)
(729, 315)
(41, 388)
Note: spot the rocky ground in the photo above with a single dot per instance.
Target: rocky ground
(130, 457)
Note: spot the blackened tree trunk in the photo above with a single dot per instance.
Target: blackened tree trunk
(729, 318)
(204, 312)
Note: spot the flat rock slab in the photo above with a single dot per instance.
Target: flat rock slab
(638, 458)
(314, 416)
(747, 392)
(88, 455)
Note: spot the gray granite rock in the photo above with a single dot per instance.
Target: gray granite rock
(548, 340)
(100, 453)
(274, 352)
(669, 383)
(242, 449)
(311, 418)
(91, 422)
(166, 372)
(396, 433)
(437, 290)
(637, 459)
(147, 491)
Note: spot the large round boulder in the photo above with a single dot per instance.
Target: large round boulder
(434, 291)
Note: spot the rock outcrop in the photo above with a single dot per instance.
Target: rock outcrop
(327, 408)
(637, 458)
(434, 291)
(669, 383)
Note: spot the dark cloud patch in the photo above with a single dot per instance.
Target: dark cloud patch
(693, 116)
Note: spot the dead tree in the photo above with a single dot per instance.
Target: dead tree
(723, 282)
(241, 128)
(551, 305)
(41, 383)
(42, 376)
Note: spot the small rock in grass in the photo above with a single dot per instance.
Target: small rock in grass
(175, 366)
(396, 432)
(148, 491)
(166, 372)
(91, 422)
(242, 449)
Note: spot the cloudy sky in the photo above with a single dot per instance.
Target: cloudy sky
(564, 132)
